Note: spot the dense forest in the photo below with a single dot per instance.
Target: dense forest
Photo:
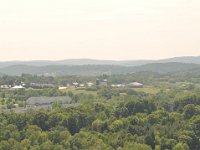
(136, 121)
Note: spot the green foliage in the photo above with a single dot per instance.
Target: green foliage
(181, 146)
(57, 105)
(166, 120)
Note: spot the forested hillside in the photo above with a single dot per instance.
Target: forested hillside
(95, 70)
(77, 62)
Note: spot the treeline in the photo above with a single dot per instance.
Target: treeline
(148, 78)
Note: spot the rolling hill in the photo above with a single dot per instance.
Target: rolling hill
(85, 70)
(77, 62)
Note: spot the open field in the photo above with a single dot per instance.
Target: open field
(149, 90)
(80, 91)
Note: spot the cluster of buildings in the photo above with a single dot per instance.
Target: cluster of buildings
(83, 85)
(102, 83)
(23, 86)
(99, 82)
(76, 85)
(16, 87)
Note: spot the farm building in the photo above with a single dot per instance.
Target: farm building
(118, 85)
(62, 88)
(82, 85)
(20, 87)
(75, 84)
(5, 86)
(89, 84)
(104, 82)
(41, 101)
(39, 85)
(135, 85)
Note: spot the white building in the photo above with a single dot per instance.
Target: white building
(118, 85)
(5, 86)
(82, 85)
(62, 88)
(18, 87)
(90, 84)
(75, 84)
(135, 85)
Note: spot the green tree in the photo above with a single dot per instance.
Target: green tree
(181, 146)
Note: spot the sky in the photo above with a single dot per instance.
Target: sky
(98, 29)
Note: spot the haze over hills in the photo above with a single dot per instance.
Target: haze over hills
(76, 62)
(186, 59)
(93, 70)
(99, 67)
(190, 59)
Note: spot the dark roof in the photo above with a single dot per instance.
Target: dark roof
(47, 100)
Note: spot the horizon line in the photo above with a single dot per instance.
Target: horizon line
(97, 59)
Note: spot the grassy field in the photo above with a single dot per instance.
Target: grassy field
(80, 91)
(149, 90)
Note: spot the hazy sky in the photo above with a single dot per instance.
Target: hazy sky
(100, 29)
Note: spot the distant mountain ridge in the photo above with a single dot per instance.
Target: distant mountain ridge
(186, 59)
(77, 62)
(98, 67)
(95, 70)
